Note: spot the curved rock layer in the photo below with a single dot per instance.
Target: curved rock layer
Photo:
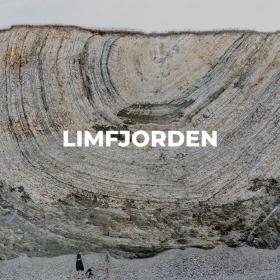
(138, 201)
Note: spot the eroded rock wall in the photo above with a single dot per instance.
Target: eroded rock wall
(54, 200)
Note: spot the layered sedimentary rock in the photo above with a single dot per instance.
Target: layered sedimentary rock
(54, 200)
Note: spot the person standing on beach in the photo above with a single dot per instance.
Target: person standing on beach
(79, 265)
(107, 265)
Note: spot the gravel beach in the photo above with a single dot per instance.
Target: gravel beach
(219, 263)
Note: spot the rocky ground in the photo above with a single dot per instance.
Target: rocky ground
(196, 264)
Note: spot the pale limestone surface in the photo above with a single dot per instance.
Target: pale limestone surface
(137, 201)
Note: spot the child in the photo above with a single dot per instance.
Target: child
(90, 272)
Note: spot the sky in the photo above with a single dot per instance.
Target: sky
(145, 15)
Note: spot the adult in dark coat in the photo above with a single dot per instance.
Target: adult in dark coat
(79, 263)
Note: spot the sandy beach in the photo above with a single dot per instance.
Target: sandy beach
(197, 264)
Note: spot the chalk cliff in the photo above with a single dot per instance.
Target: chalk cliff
(54, 200)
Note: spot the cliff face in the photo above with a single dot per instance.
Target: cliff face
(54, 200)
